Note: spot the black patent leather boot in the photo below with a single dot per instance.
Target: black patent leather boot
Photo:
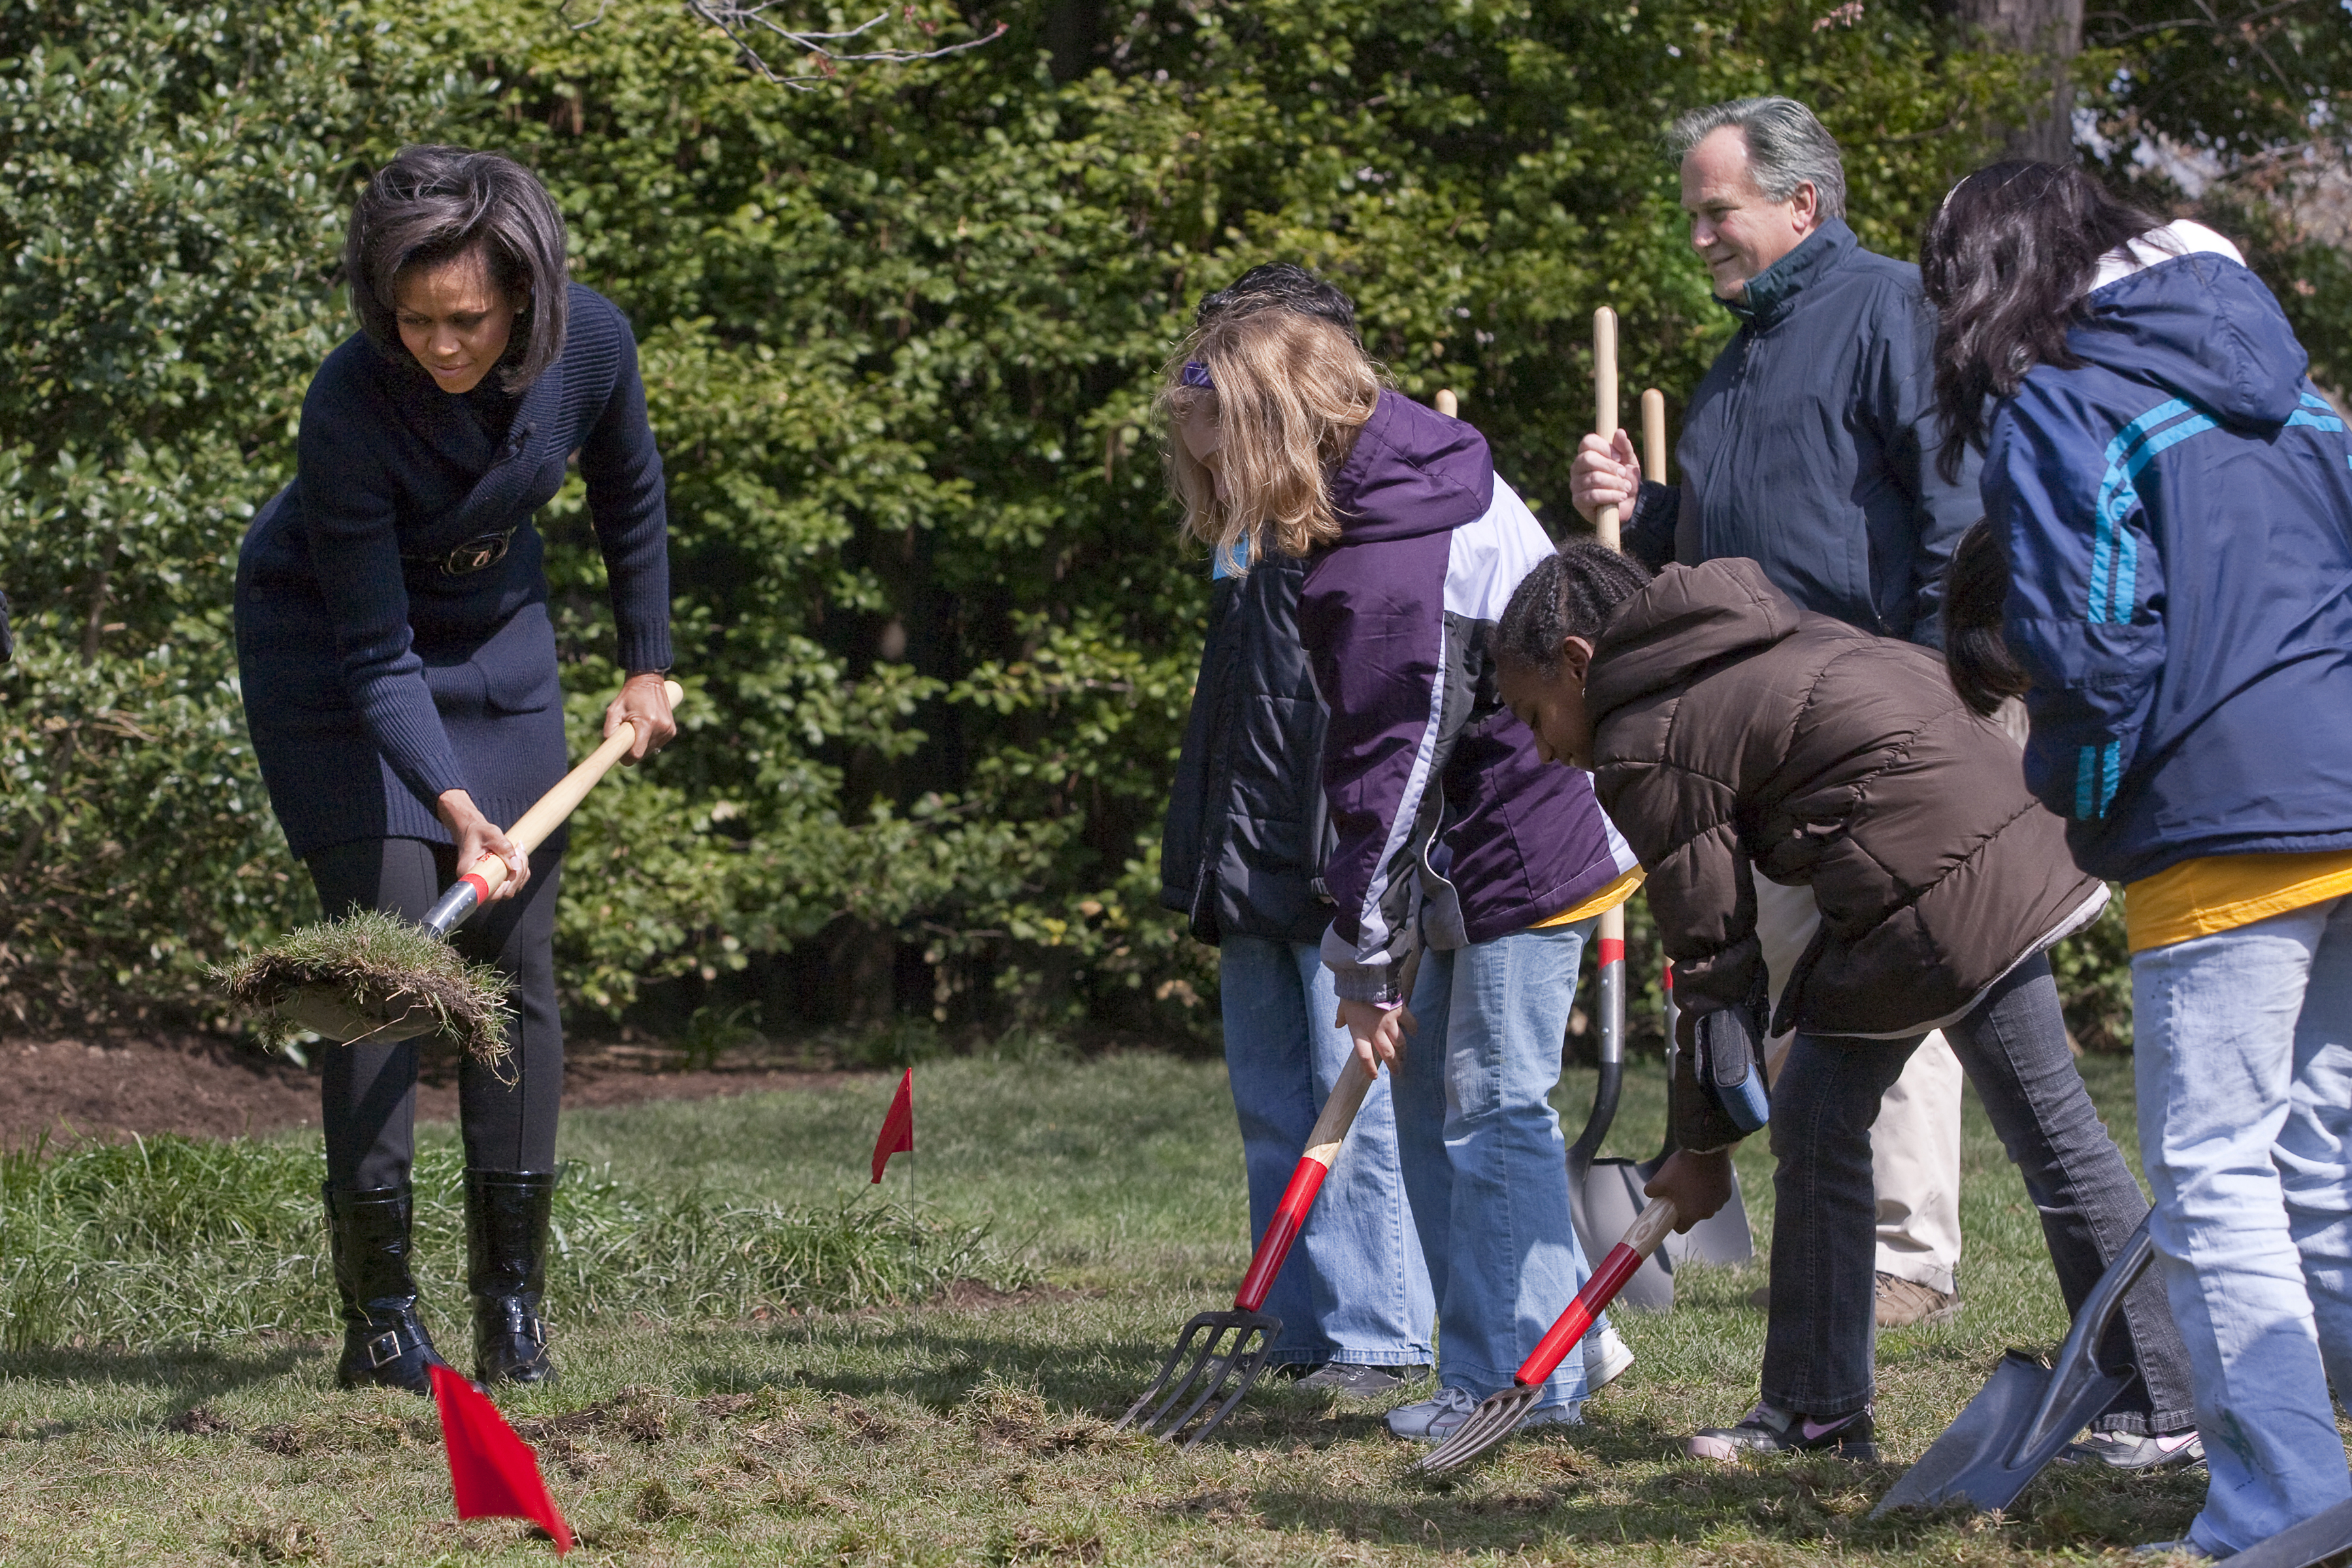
(506, 1268)
(384, 1341)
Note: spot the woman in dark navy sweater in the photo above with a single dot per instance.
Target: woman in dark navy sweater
(399, 674)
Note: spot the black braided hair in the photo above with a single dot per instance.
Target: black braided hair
(1976, 586)
(1571, 593)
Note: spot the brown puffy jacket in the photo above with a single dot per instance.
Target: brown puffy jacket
(1734, 730)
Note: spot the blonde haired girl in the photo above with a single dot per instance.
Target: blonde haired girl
(1450, 833)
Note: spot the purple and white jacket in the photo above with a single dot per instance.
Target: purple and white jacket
(1451, 830)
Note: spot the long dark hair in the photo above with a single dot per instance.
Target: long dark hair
(431, 204)
(1975, 588)
(2006, 261)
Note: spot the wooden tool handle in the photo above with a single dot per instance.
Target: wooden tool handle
(1642, 1239)
(1298, 1198)
(1604, 403)
(1447, 404)
(1654, 436)
(487, 875)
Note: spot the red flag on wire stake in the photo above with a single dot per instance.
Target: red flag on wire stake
(897, 1135)
(494, 1473)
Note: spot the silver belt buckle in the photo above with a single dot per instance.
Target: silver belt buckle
(476, 554)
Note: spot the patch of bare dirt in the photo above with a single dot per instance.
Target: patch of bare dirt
(113, 1087)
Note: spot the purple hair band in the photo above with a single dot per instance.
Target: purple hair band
(1197, 374)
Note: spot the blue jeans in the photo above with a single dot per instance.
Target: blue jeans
(1354, 1289)
(2242, 1051)
(1484, 1160)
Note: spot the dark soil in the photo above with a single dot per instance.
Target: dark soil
(111, 1087)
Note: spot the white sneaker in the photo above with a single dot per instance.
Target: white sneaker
(1435, 1420)
(1606, 1357)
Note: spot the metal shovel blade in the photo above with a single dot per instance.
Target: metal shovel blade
(2027, 1412)
(1206, 1365)
(1979, 1458)
(2322, 1538)
(1494, 1419)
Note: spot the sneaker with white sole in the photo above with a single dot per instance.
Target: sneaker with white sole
(1768, 1429)
(1435, 1420)
(2129, 1451)
(1606, 1357)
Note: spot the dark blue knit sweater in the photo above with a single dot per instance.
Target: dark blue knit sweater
(373, 679)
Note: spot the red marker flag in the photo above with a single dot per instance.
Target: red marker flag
(494, 1473)
(897, 1133)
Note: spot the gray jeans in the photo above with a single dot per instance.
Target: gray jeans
(1819, 1346)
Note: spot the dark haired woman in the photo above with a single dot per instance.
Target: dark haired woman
(1733, 736)
(400, 683)
(2166, 574)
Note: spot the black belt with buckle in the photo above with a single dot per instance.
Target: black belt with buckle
(479, 553)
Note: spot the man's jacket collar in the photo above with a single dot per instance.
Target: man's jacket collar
(1772, 293)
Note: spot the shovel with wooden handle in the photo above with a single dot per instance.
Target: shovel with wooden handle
(328, 1009)
(1498, 1414)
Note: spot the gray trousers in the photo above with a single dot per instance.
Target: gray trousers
(1915, 1144)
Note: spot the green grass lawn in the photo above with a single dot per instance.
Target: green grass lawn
(972, 1430)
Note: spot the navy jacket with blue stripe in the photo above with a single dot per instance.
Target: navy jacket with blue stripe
(2178, 517)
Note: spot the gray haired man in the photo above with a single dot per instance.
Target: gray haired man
(1808, 447)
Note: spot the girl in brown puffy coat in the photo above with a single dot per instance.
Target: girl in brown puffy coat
(1732, 735)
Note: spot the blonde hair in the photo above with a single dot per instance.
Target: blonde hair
(1290, 392)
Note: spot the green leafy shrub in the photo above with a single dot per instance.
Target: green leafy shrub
(900, 340)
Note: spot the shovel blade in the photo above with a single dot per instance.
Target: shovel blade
(1984, 1458)
(1216, 1360)
(332, 1014)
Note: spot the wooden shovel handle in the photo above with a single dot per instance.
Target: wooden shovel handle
(553, 807)
(1654, 436)
(1604, 404)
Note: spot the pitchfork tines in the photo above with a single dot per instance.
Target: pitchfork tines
(1221, 1355)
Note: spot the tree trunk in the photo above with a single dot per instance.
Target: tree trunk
(2053, 30)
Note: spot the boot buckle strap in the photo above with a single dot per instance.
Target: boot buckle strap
(524, 1323)
(383, 1348)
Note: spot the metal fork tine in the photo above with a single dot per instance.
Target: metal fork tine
(1184, 1342)
(1251, 1363)
(1207, 1381)
(1494, 1419)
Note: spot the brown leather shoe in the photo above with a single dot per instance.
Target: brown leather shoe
(1905, 1303)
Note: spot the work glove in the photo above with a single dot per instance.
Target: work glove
(1718, 1095)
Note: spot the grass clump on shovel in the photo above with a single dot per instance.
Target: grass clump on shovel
(374, 976)
(382, 973)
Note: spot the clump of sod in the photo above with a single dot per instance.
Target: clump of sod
(379, 967)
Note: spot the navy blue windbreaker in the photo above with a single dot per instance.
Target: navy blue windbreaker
(2178, 518)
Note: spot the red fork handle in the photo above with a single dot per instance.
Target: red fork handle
(1642, 1239)
(1290, 1215)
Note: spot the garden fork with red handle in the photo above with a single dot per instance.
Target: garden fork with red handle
(1497, 1413)
(1222, 1353)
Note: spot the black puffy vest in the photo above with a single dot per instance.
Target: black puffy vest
(1247, 830)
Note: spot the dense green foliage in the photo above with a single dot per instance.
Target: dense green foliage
(901, 338)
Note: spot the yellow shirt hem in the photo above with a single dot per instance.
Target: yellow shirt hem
(2222, 892)
(1607, 899)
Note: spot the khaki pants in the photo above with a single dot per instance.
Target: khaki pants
(1915, 1144)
